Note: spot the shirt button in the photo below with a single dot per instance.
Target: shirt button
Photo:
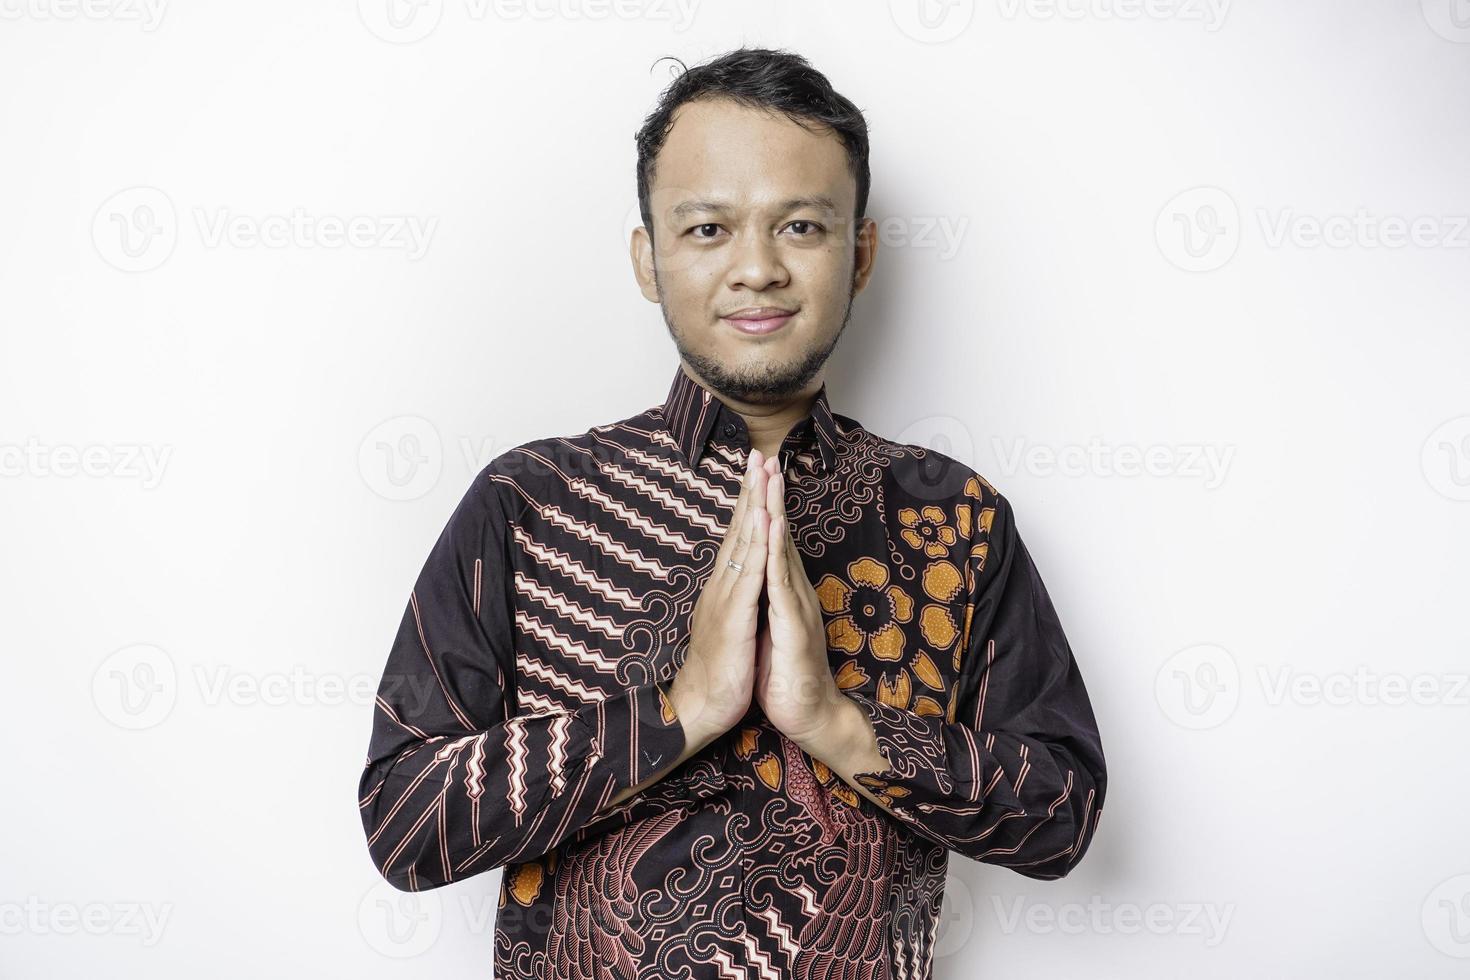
(730, 429)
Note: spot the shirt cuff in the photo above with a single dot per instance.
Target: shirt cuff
(929, 761)
(641, 735)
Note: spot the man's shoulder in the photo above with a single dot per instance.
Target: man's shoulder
(529, 468)
(923, 475)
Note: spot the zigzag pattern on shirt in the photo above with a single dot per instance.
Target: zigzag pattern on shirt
(630, 518)
(515, 751)
(557, 755)
(656, 494)
(684, 476)
(531, 666)
(575, 571)
(558, 603)
(574, 650)
(557, 517)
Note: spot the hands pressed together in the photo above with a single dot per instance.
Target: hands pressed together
(735, 652)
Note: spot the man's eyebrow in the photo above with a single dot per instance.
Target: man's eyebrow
(686, 208)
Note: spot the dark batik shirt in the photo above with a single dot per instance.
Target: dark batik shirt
(527, 686)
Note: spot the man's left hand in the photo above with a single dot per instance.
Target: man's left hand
(793, 680)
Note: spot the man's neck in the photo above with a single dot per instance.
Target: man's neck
(768, 424)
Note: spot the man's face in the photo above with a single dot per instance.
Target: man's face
(752, 216)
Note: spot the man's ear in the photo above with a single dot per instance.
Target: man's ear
(640, 251)
(865, 254)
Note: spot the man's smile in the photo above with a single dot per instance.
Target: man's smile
(759, 320)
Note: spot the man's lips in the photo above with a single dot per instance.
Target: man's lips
(761, 321)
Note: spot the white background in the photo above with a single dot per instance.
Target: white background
(1099, 239)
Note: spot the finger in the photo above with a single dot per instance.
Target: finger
(751, 486)
(752, 574)
(792, 573)
(795, 567)
(747, 551)
(778, 568)
(739, 552)
(730, 542)
(742, 499)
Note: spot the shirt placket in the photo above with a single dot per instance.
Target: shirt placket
(731, 434)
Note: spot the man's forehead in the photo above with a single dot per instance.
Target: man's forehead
(720, 152)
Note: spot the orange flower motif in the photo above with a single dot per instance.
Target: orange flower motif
(973, 485)
(938, 626)
(866, 610)
(927, 530)
(942, 581)
(980, 550)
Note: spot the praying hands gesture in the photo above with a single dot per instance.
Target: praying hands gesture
(734, 657)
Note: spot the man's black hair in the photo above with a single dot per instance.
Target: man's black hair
(759, 78)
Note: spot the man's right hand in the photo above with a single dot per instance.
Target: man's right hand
(714, 687)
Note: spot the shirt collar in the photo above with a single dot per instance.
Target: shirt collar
(691, 412)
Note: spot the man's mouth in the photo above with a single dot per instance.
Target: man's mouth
(759, 319)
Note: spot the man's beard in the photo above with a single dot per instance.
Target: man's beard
(767, 383)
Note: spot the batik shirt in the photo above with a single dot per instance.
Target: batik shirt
(528, 684)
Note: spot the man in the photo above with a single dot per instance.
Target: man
(721, 685)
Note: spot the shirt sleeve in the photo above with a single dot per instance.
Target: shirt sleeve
(457, 781)
(1013, 774)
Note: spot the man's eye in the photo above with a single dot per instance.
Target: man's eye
(812, 226)
(696, 229)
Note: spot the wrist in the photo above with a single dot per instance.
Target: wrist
(833, 727)
(704, 717)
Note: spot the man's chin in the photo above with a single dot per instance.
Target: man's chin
(760, 373)
(759, 385)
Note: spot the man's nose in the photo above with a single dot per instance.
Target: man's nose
(756, 264)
